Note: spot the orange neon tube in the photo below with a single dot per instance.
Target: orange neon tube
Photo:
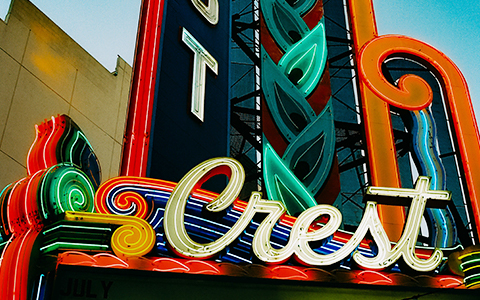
(380, 144)
(411, 93)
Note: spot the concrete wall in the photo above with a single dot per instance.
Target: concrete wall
(43, 72)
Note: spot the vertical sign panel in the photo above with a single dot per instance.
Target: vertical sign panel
(190, 100)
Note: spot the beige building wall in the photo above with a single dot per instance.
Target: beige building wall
(43, 72)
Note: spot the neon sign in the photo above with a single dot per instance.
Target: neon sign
(154, 217)
(411, 93)
(63, 173)
(296, 174)
(301, 233)
(134, 222)
(177, 74)
(294, 71)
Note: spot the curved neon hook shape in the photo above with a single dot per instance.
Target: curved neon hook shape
(412, 92)
(455, 91)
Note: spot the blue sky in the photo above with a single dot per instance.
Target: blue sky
(107, 28)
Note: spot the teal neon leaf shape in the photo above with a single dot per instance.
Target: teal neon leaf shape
(288, 107)
(305, 61)
(311, 155)
(284, 23)
(281, 184)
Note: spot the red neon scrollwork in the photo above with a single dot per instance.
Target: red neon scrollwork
(137, 133)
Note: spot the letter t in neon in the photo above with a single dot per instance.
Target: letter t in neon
(201, 59)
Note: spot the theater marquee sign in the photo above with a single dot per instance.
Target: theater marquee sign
(61, 215)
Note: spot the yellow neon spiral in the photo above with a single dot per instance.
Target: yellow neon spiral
(134, 238)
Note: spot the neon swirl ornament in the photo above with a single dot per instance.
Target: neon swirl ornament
(133, 200)
(135, 237)
(54, 184)
(301, 172)
(127, 195)
(66, 188)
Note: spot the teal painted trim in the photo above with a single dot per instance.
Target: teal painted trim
(311, 155)
(288, 107)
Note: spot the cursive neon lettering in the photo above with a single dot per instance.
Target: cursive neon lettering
(301, 234)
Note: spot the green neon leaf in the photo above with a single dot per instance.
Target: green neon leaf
(281, 184)
(284, 23)
(288, 107)
(305, 61)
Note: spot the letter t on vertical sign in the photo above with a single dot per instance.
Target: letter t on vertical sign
(201, 59)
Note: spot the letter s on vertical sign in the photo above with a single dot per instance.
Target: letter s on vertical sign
(201, 59)
(210, 12)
